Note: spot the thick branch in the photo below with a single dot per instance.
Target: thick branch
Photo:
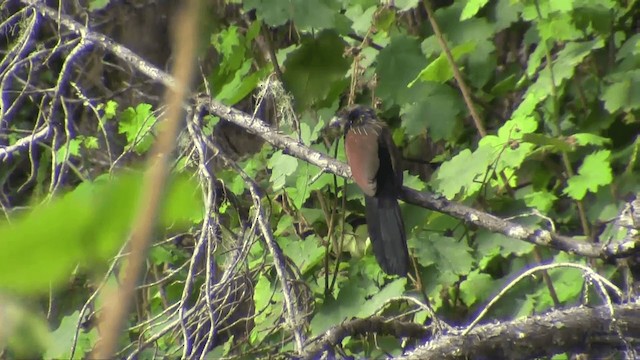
(517, 231)
(571, 330)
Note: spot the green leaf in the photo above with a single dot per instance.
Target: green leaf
(274, 13)
(315, 72)
(301, 192)
(624, 94)
(506, 146)
(182, 202)
(305, 253)
(242, 84)
(630, 48)
(463, 173)
(87, 225)
(210, 122)
(233, 79)
(584, 139)
(481, 63)
(562, 6)
(413, 181)
(447, 254)
(90, 142)
(505, 86)
(306, 14)
(568, 283)
(506, 13)
(493, 244)
(268, 303)
(404, 5)
(110, 110)
(476, 287)
(136, 124)
(160, 255)
(72, 148)
(437, 115)
(396, 72)
(391, 290)
(471, 8)
(541, 200)
(385, 19)
(559, 27)
(64, 336)
(315, 14)
(572, 55)
(556, 144)
(351, 300)
(230, 44)
(281, 167)
(526, 306)
(440, 70)
(594, 172)
(98, 4)
(25, 332)
(361, 19)
(516, 128)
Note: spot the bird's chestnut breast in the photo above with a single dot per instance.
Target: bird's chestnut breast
(362, 155)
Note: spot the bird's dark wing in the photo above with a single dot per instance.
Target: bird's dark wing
(386, 141)
(384, 219)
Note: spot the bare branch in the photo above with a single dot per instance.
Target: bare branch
(558, 331)
(25, 142)
(105, 42)
(292, 315)
(376, 324)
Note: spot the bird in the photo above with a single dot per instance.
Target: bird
(375, 166)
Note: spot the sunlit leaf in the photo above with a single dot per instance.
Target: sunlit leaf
(594, 172)
(136, 124)
(440, 70)
(471, 8)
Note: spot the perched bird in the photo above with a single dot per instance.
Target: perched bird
(375, 166)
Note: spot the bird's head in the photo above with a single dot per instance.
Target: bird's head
(353, 116)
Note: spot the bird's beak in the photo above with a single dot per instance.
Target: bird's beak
(336, 121)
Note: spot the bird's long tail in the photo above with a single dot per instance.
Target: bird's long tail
(386, 230)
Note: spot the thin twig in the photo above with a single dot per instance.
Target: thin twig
(603, 282)
(464, 89)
